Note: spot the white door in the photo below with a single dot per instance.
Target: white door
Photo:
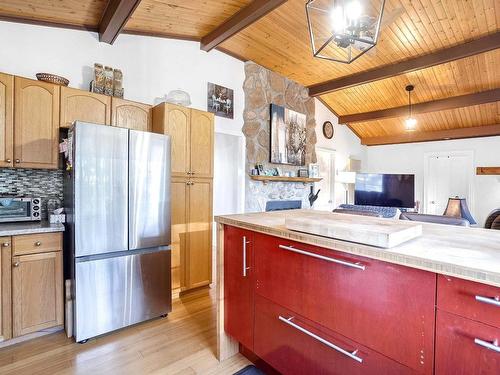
(447, 175)
(326, 198)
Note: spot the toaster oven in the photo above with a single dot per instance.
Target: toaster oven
(14, 209)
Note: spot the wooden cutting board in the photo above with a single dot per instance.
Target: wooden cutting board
(371, 231)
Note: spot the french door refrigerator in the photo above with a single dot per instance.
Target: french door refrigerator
(117, 197)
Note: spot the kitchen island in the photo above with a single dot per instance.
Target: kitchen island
(305, 303)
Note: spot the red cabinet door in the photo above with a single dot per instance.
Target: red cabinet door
(466, 347)
(238, 285)
(296, 346)
(386, 307)
(469, 299)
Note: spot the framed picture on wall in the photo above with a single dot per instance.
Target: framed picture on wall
(220, 100)
(288, 136)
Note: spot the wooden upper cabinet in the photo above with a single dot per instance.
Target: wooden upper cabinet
(36, 124)
(131, 115)
(175, 121)
(79, 105)
(192, 133)
(37, 295)
(5, 289)
(6, 120)
(202, 143)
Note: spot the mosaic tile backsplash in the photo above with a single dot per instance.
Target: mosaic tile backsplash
(43, 183)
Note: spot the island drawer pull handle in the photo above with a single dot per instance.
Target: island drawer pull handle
(6, 244)
(351, 355)
(358, 266)
(38, 243)
(495, 301)
(245, 268)
(488, 345)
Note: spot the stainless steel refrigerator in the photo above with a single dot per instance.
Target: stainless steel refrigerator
(117, 198)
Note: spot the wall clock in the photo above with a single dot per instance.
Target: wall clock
(328, 130)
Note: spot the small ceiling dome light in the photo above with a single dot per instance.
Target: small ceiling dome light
(410, 122)
(343, 30)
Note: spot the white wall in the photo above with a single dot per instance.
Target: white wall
(151, 66)
(409, 158)
(345, 143)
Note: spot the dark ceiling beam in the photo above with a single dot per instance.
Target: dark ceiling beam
(432, 106)
(114, 19)
(242, 19)
(481, 45)
(436, 135)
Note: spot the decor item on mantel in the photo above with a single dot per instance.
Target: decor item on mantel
(288, 136)
(457, 207)
(220, 100)
(492, 171)
(52, 78)
(343, 30)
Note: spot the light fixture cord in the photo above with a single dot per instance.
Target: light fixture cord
(409, 101)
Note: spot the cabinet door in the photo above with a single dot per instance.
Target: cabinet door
(5, 289)
(131, 115)
(176, 124)
(378, 304)
(179, 231)
(79, 105)
(199, 255)
(466, 347)
(238, 285)
(36, 124)
(37, 295)
(202, 143)
(6, 120)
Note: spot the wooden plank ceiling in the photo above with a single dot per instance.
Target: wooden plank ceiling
(280, 41)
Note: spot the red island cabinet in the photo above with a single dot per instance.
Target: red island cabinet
(385, 307)
(468, 328)
(239, 285)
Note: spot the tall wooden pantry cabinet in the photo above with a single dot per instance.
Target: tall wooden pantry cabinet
(192, 147)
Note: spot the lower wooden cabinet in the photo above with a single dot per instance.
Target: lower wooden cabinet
(191, 233)
(5, 288)
(37, 292)
(238, 285)
(466, 347)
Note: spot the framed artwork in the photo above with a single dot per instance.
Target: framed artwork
(220, 100)
(288, 136)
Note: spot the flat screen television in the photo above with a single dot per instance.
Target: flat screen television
(388, 190)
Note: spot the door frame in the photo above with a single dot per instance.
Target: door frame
(333, 171)
(469, 154)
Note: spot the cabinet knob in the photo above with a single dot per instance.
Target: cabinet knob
(16, 264)
(18, 160)
(6, 244)
(38, 243)
(8, 160)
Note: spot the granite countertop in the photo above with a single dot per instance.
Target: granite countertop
(30, 227)
(467, 253)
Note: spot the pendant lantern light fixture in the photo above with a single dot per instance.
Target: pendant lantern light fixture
(343, 30)
(410, 122)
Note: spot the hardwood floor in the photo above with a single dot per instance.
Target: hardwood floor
(183, 343)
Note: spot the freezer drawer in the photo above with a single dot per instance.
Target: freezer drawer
(115, 292)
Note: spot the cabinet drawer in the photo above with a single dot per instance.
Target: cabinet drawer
(386, 307)
(469, 299)
(295, 345)
(466, 347)
(36, 243)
